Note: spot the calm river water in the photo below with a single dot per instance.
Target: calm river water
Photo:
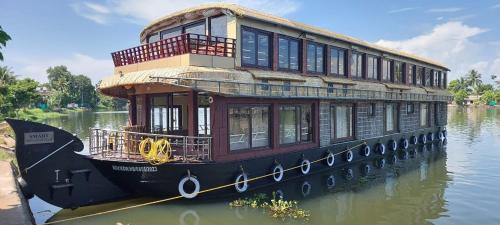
(455, 184)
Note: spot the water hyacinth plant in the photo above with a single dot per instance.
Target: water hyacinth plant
(275, 207)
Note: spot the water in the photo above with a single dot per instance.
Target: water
(455, 185)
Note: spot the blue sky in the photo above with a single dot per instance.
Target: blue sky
(81, 34)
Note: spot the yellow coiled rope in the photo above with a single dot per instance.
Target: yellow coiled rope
(155, 152)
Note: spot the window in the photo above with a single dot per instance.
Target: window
(295, 124)
(357, 65)
(153, 38)
(372, 109)
(197, 28)
(410, 108)
(288, 53)
(204, 120)
(411, 74)
(337, 61)
(391, 117)
(424, 114)
(164, 118)
(265, 85)
(255, 48)
(444, 80)
(171, 33)
(286, 85)
(435, 79)
(138, 108)
(315, 58)
(398, 72)
(330, 88)
(386, 70)
(372, 67)
(248, 127)
(342, 122)
(440, 79)
(419, 75)
(218, 26)
(427, 77)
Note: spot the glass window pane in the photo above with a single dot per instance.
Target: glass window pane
(334, 61)
(153, 38)
(196, 29)
(423, 114)
(171, 33)
(283, 53)
(294, 55)
(359, 65)
(263, 50)
(311, 57)
(248, 48)
(341, 62)
(389, 117)
(342, 120)
(370, 67)
(353, 65)
(218, 26)
(288, 124)
(306, 123)
(239, 128)
(319, 59)
(260, 127)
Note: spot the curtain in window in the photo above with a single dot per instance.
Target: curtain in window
(389, 117)
(342, 121)
(305, 123)
(288, 124)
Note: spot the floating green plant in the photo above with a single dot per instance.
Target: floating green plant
(275, 207)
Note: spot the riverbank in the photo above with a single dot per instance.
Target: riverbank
(14, 209)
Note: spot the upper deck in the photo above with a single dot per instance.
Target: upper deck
(273, 51)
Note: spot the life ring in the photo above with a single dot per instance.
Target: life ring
(306, 188)
(366, 150)
(404, 143)
(196, 190)
(330, 182)
(423, 138)
(431, 136)
(381, 148)
(349, 174)
(305, 166)
(414, 140)
(278, 172)
(380, 163)
(238, 183)
(367, 169)
(393, 145)
(192, 213)
(279, 194)
(394, 159)
(330, 159)
(349, 156)
(441, 136)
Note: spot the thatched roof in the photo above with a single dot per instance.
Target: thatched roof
(209, 9)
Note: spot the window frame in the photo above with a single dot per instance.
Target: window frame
(256, 33)
(410, 110)
(395, 118)
(316, 45)
(343, 74)
(388, 63)
(298, 107)
(393, 73)
(299, 53)
(250, 127)
(428, 122)
(372, 107)
(333, 114)
(376, 62)
(360, 55)
(411, 78)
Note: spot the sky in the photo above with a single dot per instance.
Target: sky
(461, 34)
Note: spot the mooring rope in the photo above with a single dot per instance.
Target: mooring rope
(49, 155)
(201, 192)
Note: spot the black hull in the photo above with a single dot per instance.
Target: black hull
(163, 180)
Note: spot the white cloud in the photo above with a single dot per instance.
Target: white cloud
(444, 10)
(78, 63)
(440, 18)
(462, 18)
(453, 44)
(144, 11)
(497, 6)
(401, 10)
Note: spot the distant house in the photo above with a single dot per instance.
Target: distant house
(72, 105)
(471, 99)
(43, 91)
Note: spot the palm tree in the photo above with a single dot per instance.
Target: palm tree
(474, 79)
(4, 37)
(6, 76)
(463, 84)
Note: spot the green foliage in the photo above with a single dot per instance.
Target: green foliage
(460, 96)
(459, 84)
(474, 79)
(275, 207)
(110, 103)
(488, 96)
(4, 37)
(23, 93)
(69, 88)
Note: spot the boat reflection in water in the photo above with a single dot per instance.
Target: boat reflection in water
(406, 187)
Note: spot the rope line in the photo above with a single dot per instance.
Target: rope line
(201, 192)
(48, 156)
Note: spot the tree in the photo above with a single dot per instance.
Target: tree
(460, 96)
(459, 84)
(60, 81)
(85, 91)
(4, 37)
(474, 79)
(488, 96)
(23, 93)
(6, 76)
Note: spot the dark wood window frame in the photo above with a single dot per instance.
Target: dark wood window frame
(410, 108)
(393, 72)
(316, 45)
(345, 61)
(330, 88)
(299, 54)
(388, 63)
(396, 118)
(206, 118)
(361, 74)
(372, 109)
(270, 47)
(411, 77)
(376, 70)
(269, 125)
(333, 114)
(298, 107)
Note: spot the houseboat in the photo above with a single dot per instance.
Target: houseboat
(225, 99)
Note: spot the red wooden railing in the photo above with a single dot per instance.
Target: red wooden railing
(182, 44)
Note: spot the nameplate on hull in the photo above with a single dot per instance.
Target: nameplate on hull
(144, 169)
(34, 138)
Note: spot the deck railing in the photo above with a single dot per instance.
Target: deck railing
(178, 45)
(235, 88)
(113, 144)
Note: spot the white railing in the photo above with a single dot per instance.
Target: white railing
(114, 144)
